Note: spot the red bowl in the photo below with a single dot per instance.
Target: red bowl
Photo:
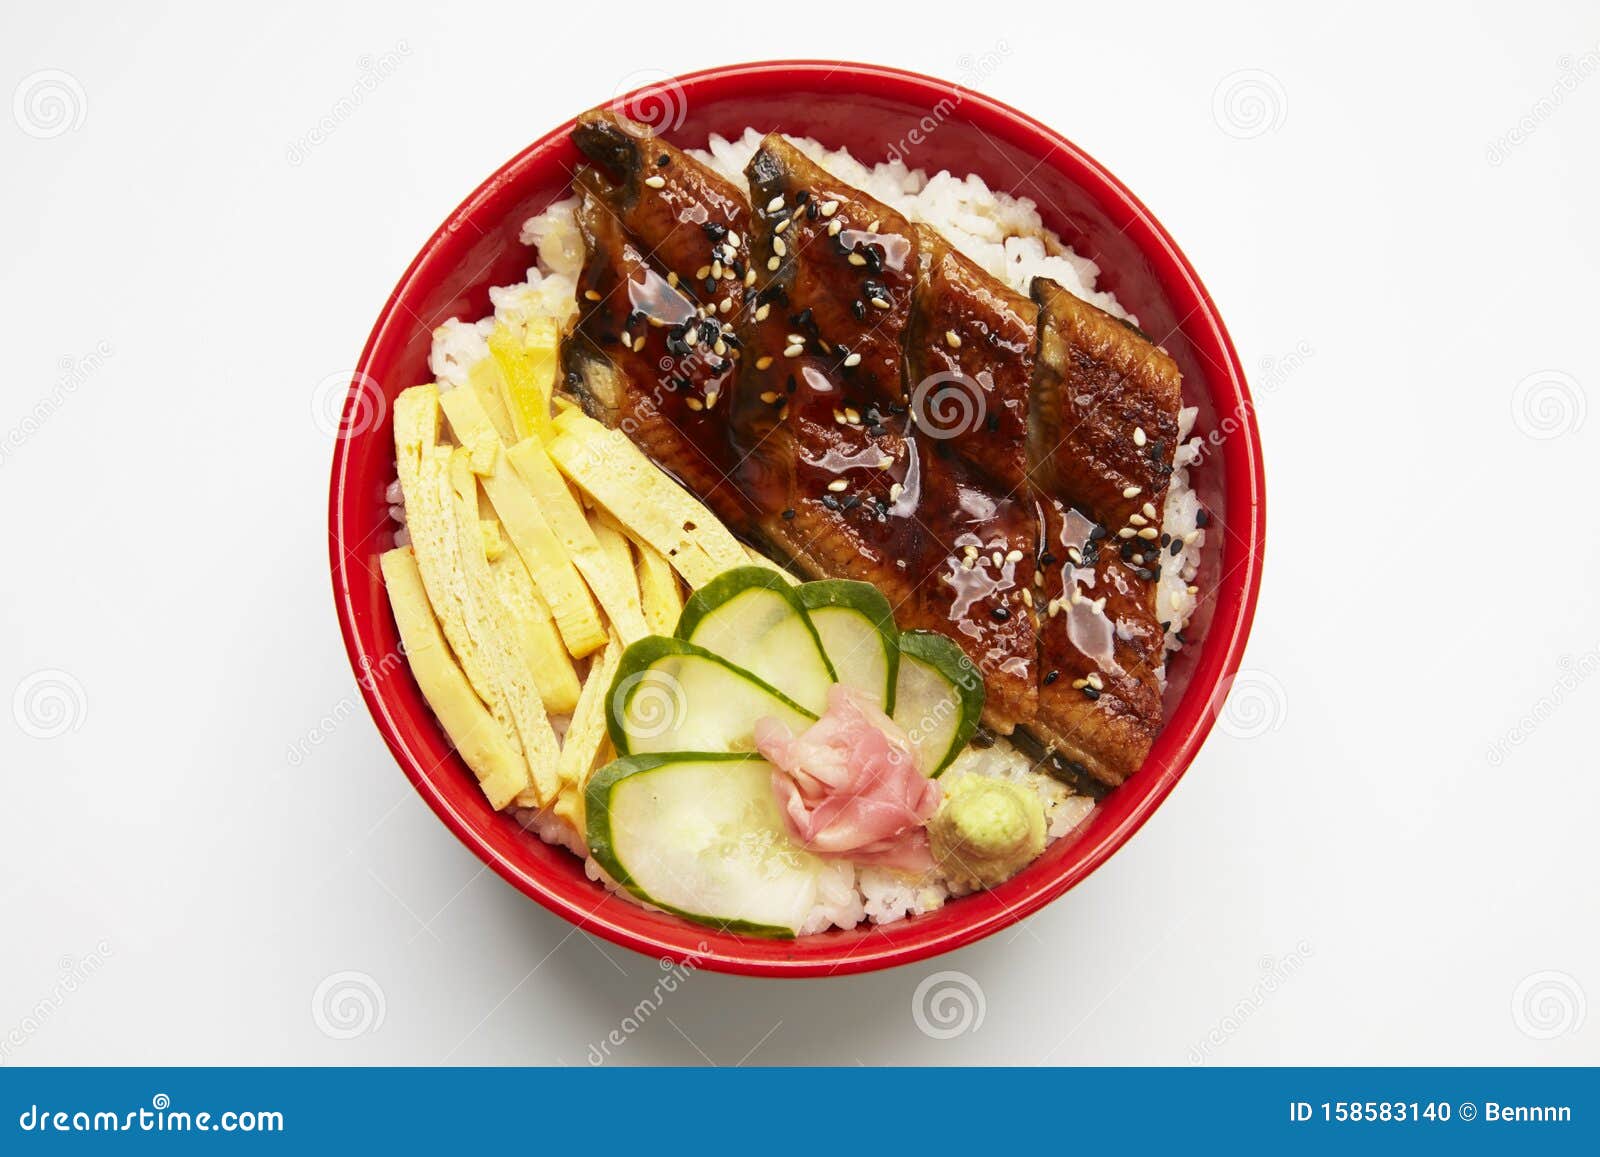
(873, 111)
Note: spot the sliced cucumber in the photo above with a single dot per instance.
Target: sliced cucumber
(856, 626)
(752, 617)
(702, 836)
(938, 698)
(670, 695)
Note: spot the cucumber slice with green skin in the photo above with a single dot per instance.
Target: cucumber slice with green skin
(702, 837)
(670, 695)
(938, 698)
(752, 617)
(856, 626)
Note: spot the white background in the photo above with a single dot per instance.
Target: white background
(1397, 815)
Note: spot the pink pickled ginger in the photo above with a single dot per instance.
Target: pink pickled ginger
(849, 786)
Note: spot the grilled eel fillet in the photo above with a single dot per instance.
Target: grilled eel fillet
(852, 391)
(1102, 435)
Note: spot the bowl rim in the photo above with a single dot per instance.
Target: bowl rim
(1245, 577)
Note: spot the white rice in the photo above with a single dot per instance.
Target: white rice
(1005, 236)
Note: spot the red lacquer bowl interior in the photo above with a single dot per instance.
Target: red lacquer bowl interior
(870, 110)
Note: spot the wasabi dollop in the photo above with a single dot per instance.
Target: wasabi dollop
(987, 831)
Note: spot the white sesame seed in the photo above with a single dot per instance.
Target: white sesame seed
(655, 322)
(895, 492)
(702, 273)
(672, 279)
(1096, 682)
(997, 558)
(772, 263)
(749, 277)
(763, 362)
(783, 411)
(1079, 684)
(852, 415)
(720, 348)
(768, 396)
(1130, 492)
(694, 403)
(829, 208)
(873, 227)
(726, 306)
(969, 550)
(775, 204)
(952, 339)
(885, 462)
(1149, 532)
(590, 295)
(838, 485)
(797, 339)
(1054, 607)
(655, 182)
(733, 239)
(1075, 554)
(879, 303)
(1148, 510)
(1137, 520)
(762, 311)
(834, 227)
(1014, 556)
(779, 247)
(638, 343)
(1126, 532)
(1038, 578)
(793, 351)
(711, 398)
(1138, 436)
(856, 259)
(853, 360)
(781, 225)
(1190, 537)
(1027, 596)
(716, 271)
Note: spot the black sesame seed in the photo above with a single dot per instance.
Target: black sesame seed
(663, 161)
(1126, 550)
(851, 502)
(876, 430)
(812, 213)
(1147, 574)
(1166, 538)
(1050, 677)
(1096, 533)
(711, 285)
(859, 309)
(788, 515)
(714, 230)
(1047, 559)
(1202, 519)
(1166, 626)
(1090, 693)
(1090, 553)
(830, 502)
(802, 196)
(1176, 548)
(999, 614)
(873, 257)
(992, 422)
(1181, 637)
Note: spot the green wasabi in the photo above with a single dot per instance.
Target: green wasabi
(987, 831)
